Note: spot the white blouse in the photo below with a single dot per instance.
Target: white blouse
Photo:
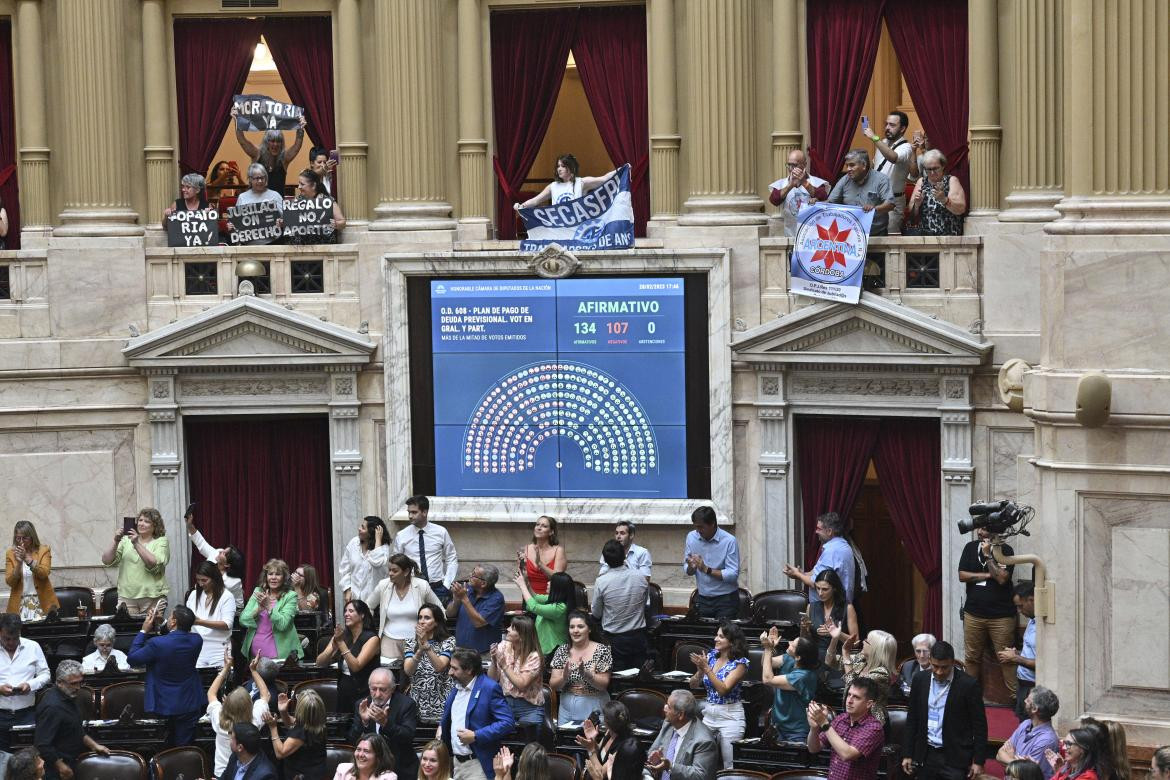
(361, 570)
(214, 639)
(95, 664)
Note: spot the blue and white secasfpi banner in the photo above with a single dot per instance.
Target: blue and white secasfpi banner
(601, 219)
(828, 254)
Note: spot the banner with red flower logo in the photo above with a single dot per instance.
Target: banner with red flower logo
(828, 256)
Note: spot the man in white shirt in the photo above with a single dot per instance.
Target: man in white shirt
(892, 153)
(229, 560)
(637, 557)
(23, 672)
(430, 546)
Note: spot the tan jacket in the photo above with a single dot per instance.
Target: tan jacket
(14, 576)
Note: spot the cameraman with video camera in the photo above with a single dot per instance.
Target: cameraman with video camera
(989, 615)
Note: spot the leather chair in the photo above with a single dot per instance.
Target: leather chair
(109, 601)
(119, 765)
(87, 702)
(800, 774)
(176, 762)
(742, 774)
(70, 597)
(325, 688)
(779, 605)
(744, 609)
(116, 697)
(895, 735)
(335, 755)
(681, 655)
(582, 595)
(561, 767)
(654, 605)
(645, 707)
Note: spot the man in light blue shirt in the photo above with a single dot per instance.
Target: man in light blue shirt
(1024, 598)
(836, 554)
(637, 557)
(711, 555)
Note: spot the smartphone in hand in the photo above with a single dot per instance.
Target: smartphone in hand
(128, 524)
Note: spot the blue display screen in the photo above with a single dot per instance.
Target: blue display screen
(570, 388)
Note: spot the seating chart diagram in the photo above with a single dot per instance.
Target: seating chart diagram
(559, 388)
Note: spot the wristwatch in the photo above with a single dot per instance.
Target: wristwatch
(876, 138)
(825, 726)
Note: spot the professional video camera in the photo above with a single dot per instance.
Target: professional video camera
(998, 517)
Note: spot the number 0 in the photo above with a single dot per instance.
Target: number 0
(650, 326)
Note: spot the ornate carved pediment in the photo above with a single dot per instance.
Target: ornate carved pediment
(248, 331)
(874, 331)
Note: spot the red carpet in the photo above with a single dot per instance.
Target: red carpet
(1001, 722)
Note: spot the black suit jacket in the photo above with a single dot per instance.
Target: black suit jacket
(398, 733)
(964, 726)
(260, 769)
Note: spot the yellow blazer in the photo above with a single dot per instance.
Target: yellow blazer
(14, 576)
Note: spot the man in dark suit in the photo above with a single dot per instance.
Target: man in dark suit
(247, 761)
(173, 689)
(946, 726)
(684, 749)
(393, 716)
(475, 717)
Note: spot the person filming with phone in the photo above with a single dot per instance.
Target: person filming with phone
(140, 550)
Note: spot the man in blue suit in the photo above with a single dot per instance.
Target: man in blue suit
(475, 718)
(248, 761)
(173, 689)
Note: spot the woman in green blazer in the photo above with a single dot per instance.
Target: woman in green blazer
(270, 615)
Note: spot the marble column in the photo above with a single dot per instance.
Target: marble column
(986, 132)
(720, 148)
(30, 113)
(474, 222)
(775, 473)
(160, 155)
(665, 141)
(166, 461)
(1116, 110)
(95, 123)
(957, 472)
(786, 135)
(408, 69)
(1035, 141)
(351, 122)
(346, 456)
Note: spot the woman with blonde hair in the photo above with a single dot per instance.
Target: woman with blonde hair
(26, 570)
(237, 707)
(517, 664)
(434, 762)
(876, 660)
(141, 556)
(372, 760)
(270, 616)
(306, 584)
(303, 748)
(533, 763)
(272, 153)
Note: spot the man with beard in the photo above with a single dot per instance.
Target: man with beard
(60, 737)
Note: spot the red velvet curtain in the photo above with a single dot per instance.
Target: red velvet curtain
(9, 192)
(302, 47)
(264, 486)
(610, 50)
(930, 38)
(843, 38)
(832, 455)
(908, 463)
(529, 52)
(212, 58)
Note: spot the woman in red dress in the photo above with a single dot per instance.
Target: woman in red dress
(544, 556)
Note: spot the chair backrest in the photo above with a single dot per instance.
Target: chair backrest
(681, 656)
(745, 604)
(115, 697)
(70, 596)
(582, 595)
(779, 605)
(325, 688)
(800, 774)
(742, 774)
(334, 756)
(561, 767)
(895, 725)
(109, 601)
(550, 701)
(87, 702)
(755, 671)
(653, 604)
(645, 706)
(172, 763)
(119, 765)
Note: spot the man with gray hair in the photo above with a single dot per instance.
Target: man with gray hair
(836, 554)
(684, 749)
(60, 736)
(866, 188)
(477, 609)
(1035, 735)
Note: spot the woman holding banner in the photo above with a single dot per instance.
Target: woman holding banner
(567, 185)
(271, 154)
(193, 195)
(309, 186)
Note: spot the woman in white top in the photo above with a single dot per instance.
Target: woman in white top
(363, 564)
(567, 185)
(215, 610)
(103, 642)
(399, 598)
(237, 707)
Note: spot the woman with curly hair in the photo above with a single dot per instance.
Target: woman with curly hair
(270, 616)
